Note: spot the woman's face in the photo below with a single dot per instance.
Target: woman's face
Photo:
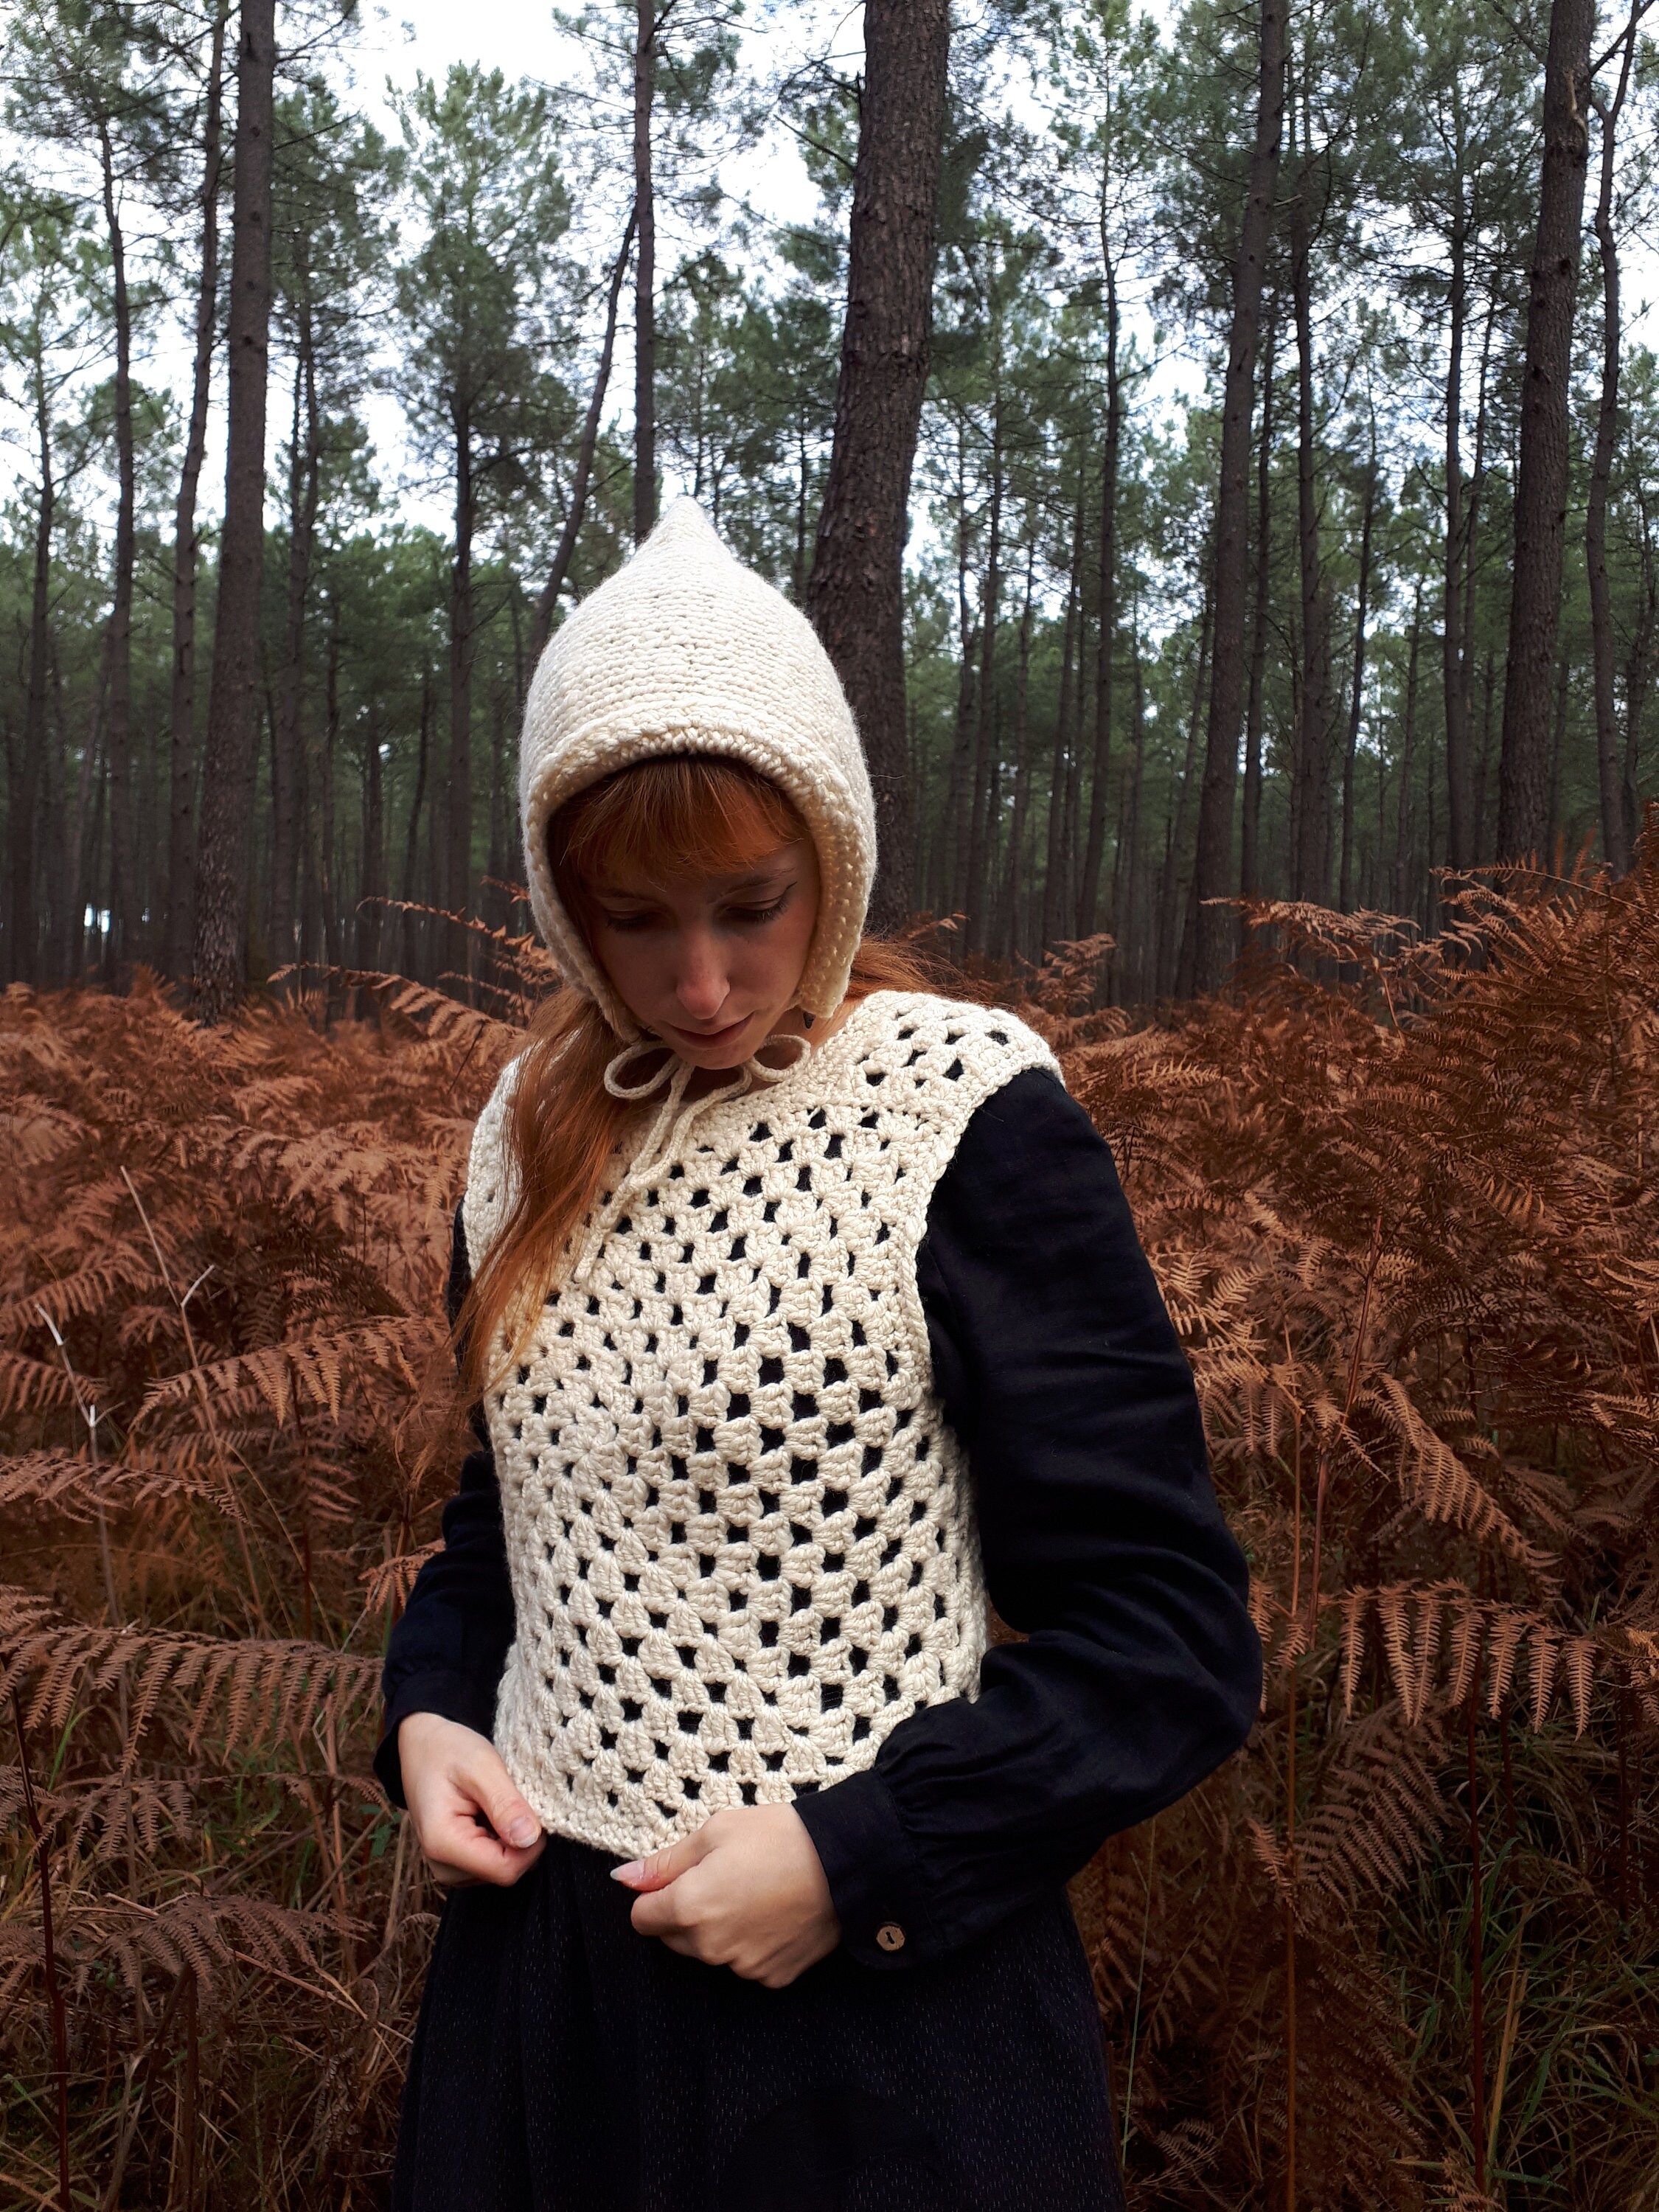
(709, 963)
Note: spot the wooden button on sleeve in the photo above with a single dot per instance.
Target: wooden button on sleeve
(890, 1936)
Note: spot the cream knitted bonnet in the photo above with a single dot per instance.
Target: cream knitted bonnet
(685, 650)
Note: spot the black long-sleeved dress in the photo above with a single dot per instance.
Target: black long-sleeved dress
(563, 2061)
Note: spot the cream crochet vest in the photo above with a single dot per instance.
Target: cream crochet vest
(740, 1531)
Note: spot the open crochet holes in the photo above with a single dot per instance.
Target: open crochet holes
(740, 1529)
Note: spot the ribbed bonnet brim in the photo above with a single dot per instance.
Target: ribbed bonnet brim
(685, 650)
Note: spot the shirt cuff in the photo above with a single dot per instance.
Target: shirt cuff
(875, 1882)
(453, 1697)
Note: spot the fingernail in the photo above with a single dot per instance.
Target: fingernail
(631, 1872)
(523, 1833)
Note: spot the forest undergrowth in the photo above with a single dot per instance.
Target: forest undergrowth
(1403, 1201)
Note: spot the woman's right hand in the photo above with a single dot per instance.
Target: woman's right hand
(471, 1823)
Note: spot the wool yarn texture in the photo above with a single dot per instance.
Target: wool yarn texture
(739, 1529)
(685, 649)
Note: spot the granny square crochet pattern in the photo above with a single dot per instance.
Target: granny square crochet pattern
(739, 1529)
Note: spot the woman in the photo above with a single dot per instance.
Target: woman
(800, 1308)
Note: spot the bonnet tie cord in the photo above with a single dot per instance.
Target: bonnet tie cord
(674, 1119)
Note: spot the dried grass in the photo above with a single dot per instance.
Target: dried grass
(1401, 1198)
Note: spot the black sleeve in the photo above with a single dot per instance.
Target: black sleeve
(1101, 1540)
(449, 1649)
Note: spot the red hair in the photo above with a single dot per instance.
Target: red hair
(682, 814)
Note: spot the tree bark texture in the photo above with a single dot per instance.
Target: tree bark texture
(181, 737)
(1608, 760)
(855, 595)
(1542, 489)
(123, 901)
(219, 956)
(1216, 929)
(645, 276)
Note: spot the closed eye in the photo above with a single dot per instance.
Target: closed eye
(752, 916)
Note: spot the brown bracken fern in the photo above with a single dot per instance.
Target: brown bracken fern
(1401, 1198)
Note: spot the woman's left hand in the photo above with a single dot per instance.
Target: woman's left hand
(746, 1891)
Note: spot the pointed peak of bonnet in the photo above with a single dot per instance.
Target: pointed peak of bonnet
(684, 526)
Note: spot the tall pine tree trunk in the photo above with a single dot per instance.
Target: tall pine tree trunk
(1608, 761)
(1638, 661)
(1345, 895)
(125, 922)
(1053, 873)
(1094, 854)
(457, 868)
(1250, 841)
(1124, 886)
(1310, 793)
(1176, 934)
(959, 792)
(1215, 929)
(372, 887)
(1541, 487)
(1403, 887)
(855, 595)
(412, 962)
(547, 600)
(181, 735)
(23, 933)
(1455, 684)
(979, 837)
(645, 275)
(303, 467)
(1009, 936)
(219, 960)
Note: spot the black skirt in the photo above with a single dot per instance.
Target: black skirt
(562, 2064)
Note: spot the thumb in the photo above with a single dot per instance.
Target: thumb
(507, 1812)
(664, 1866)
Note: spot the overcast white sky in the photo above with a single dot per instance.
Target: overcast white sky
(396, 38)
(518, 37)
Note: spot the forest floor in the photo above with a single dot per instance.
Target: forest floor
(1403, 1201)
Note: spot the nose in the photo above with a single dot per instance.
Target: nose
(702, 986)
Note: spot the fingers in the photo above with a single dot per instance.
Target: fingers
(665, 1912)
(746, 1892)
(460, 1850)
(664, 1866)
(501, 1805)
(472, 1824)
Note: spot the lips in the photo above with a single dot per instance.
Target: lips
(710, 1037)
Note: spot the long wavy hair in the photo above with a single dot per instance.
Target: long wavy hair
(668, 819)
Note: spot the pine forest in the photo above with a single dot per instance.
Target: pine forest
(1218, 448)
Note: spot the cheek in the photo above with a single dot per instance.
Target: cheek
(637, 969)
